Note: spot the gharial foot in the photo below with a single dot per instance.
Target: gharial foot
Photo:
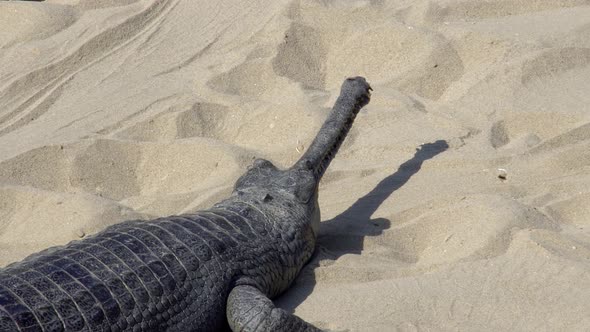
(249, 310)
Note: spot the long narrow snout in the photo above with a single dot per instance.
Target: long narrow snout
(354, 95)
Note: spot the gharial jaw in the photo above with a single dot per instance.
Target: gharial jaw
(354, 95)
(301, 180)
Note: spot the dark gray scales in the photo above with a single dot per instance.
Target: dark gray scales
(209, 271)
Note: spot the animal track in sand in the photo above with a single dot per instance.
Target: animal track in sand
(302, 56)
(534, 129)
(24, 209)
(120, 169)
(573, 247)
(251, 78)
(574, 210)
(457, 10)
(43, 168)
(548, 69)
(410, 59)
(200, 120)
(562, 162)
(103, 4)
(565, 138)
(553, 62)
(430, 67)
(469, 228)
(42, 20)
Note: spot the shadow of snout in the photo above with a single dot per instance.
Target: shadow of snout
(345, 233)
(336, 234)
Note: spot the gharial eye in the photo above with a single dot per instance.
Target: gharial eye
(259, 162)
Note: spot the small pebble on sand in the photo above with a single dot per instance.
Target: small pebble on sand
(502, 173)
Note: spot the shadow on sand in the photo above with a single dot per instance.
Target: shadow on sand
(345, 233)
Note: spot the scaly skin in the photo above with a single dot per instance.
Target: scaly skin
(206, 271)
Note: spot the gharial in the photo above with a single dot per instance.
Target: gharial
(208, 271)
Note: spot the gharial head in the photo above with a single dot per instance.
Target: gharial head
(299, 183)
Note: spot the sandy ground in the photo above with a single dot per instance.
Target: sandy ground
(112, 110)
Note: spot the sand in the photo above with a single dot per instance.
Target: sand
(114, 110)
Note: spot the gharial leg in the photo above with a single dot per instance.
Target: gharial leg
(248, 309)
